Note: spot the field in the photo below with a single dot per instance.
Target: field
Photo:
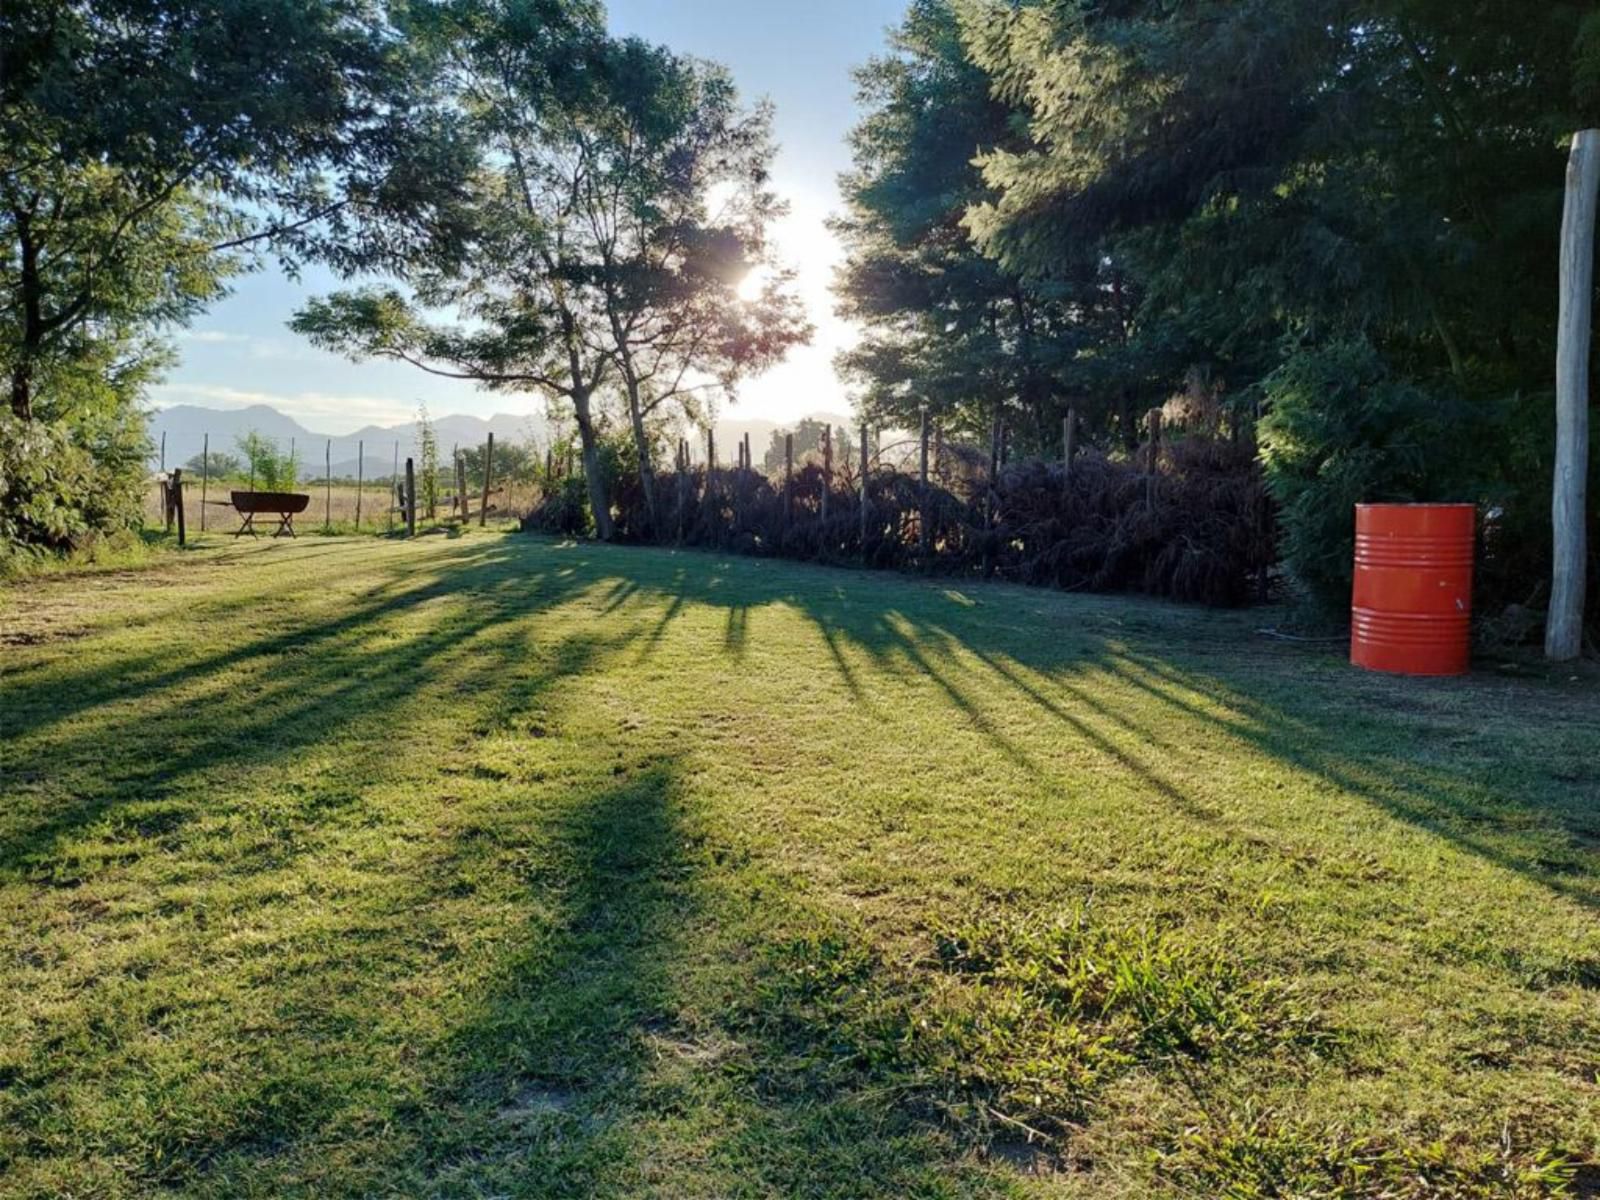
(483, 865)
(335, 507)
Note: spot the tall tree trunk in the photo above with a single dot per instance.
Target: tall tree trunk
(599, 503)
(1563, 635)
(641, 446)
(22, 387)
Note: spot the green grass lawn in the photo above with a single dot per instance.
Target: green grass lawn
(488, 866)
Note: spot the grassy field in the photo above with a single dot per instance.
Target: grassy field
(487, 866)
(332, 508)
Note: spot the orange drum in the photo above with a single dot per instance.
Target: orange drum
(1411, 607)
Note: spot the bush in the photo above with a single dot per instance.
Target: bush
(66, 481)
(1208, 538)
(270, 469)
(1341, 431)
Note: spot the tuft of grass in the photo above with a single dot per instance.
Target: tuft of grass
(489, 865)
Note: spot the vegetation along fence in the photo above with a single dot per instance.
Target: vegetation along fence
(1187, 519)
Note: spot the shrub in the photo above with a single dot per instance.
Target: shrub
(66, 481)
(270, 469)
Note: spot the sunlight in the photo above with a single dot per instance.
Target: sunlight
(754, 282)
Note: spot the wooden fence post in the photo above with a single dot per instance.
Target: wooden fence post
(1069, 429)
(711, 455)
(923, 538)
(205, 477)
(327, 484)
(177, 500)
(361, 457)
(827, 469)
(488, 479)
(394, 485)
(1155, 455)
(411, 499)
(788, 477)
(163, 451)
(864, 462)
(1563, 633)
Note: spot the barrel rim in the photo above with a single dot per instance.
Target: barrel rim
(1421, 504)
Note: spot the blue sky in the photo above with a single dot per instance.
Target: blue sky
(799, 55)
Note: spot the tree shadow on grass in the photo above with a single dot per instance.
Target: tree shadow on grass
(557, 1057)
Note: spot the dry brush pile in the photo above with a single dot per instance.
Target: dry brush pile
(1199, 529)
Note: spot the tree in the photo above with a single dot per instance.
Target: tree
(588, 264)
(1284, 183)
(807, 441)
(428, 467)
(157, 135)
(218, 464)
(945, 326)
(274, 470)
(671, 176)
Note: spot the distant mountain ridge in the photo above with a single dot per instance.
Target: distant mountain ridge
(185, 427)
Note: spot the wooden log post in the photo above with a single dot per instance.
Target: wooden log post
(205, 476)
(411, 499)
(327, 485)
(1069, 430)
(1154, 460)
(461, 505)
(163, 451)
(488, 480)
(827, 471)
(177, 501)
(711, 454)
(394, 484)
(1563, 631)
(361, 462)
(924, 538)
(863, 483)
(788, 478)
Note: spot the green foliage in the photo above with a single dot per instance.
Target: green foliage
(66, 482)
(218, 464)
(1289, 190)
(271, 469)
(1341, 430)
(428, 463)
(590, 264)
(808, 443)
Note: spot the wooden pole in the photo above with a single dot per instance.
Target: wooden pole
(922, 489)
(361, 455)
(788, 477)
(205, 477)
(488, 479)
(163, 451)
(411, 499)
(827, 469)
(1069, 429)
(1155, 456)
(1563, 632)
(394, 482)
(327, 482)
(749, 460)
(177, 501)
(864, 489)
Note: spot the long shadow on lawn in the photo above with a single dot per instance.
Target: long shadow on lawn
(548, 1080)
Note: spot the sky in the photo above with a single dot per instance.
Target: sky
(799, 55)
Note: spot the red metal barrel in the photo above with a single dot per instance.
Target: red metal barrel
(1411, 606)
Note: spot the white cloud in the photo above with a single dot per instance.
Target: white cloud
(211, 336)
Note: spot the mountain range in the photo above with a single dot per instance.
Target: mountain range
(179, 433)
